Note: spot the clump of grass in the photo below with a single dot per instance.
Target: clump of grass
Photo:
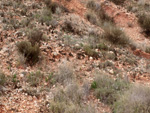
(35, 79)
(99, 11)
(31, 53)
(68, 27)
(135, 100)
(147, 50)
(45, 16)
(64, 74)
(93, 39)
(108, 89)
(47, 2)
(102, 46)
(144, 21)
(103, 16)
(92, 5)
(35, 36)
(115, 35)
(90, 52)
(91, 18)
(70, 100)
(54, 6)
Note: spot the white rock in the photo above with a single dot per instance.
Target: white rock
(91, 58)
(21, 75)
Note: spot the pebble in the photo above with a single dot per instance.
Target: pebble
(21, 75)
(91, 58)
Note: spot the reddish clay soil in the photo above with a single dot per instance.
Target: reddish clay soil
(128, 22)
(74, 6)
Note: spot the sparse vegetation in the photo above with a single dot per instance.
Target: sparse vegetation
(2, 79)
(35, 79)
(118, 2)
(115, 35)
(35, 36)
(64, 74)
(68, 27)
(135, 100)
(99, 11)
(45, 16)
(47, 2)
(54, 6)
(60, 46)
(102, 46)
(93, 5)
(108, 89)
(144, 21)
(69, 100)
(31, 53)
(91, 18)
(90, 52)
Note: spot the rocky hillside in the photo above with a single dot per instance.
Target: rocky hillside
(74, 56)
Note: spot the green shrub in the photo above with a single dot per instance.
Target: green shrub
(135, 100)
(118, 2)
(35, 36)
(31, 53)
(115, 35)
(144, 21)
(108, 89)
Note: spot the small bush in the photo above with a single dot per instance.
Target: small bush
(101, 15)
(94, 39)
(144, 21)
(68, 27)
(2, 79)
(118, 2)
(35, 36)
(92, 5)
(107, 89)
(54, 6)
(35, 79)
(91, 18)
(65, 73)
(48, 2)
(147, 50)
(70, 100)
(135, 100)
(102, 46)
(31, 53)
(45, 16)
(90, 52)
(115, 35)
